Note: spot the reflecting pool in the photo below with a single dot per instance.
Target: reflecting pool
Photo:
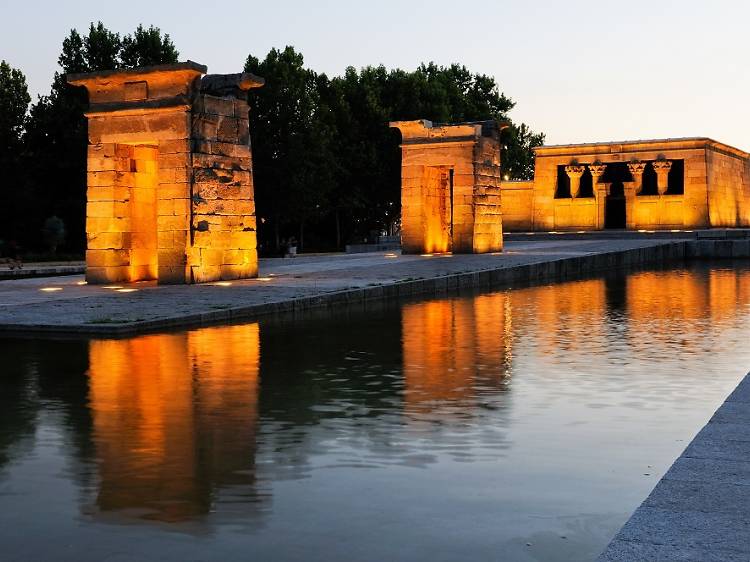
(523, 425)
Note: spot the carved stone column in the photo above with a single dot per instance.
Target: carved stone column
(600, 192)
(636, 168)
(662, 167)
(574, 172)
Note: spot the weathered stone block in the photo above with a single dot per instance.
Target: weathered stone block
(150, 169)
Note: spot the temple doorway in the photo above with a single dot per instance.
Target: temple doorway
(438, 209)
(614, 210)
(616, 175)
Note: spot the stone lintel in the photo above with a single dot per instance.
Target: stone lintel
(133, 74)
(423, 130)
(139, 87)
(151, 106)
(232, 85)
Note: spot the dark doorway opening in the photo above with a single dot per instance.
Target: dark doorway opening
(614, 210)
(614, 206)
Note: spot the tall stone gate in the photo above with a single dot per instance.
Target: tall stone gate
(450, 187)
(170, 187)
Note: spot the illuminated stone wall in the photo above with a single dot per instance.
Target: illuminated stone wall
(174, 419)
(714, 190)
(518, 199)
(450, 190)
(728, 187)
(170, 192)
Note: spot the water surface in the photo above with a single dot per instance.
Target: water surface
(516, 425)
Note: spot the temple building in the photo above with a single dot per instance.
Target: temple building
(450, 187)
(170, 186)
(643, 185)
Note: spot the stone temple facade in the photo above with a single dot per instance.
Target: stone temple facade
(670, 184)
(170, 186)
(450, 187)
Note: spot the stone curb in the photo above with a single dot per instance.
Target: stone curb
(551, 270)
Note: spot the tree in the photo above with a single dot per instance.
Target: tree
(55, 144)
(324, 155)
(147, 47)
(291, 157)
(14, 103)
(518, 151)
(54, 233)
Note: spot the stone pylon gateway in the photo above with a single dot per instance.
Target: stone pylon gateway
(450, 187)
(170, 185)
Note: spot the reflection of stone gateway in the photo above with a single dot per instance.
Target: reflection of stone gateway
(450, 187)
(170, 190)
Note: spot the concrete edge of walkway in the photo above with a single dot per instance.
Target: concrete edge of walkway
(44, 271)
(552, 270)
(700, 510)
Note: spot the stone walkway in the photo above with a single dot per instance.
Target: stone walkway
(67, 304)
(700, 510)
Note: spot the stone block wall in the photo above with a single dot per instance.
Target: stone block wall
(711, 184)
(488, 219)
(170, 193)
(517, 199)
(450, 190)
(728, 187)
(224, 243)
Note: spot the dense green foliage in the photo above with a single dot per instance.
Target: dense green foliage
(326, 164)
(14, 103)
(51, 167)
(325, 161)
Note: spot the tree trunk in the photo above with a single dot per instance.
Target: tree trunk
(338, 229)
(301, 235)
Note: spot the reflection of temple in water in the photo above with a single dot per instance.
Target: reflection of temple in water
(168, 427)
(454, 349)
(174, 421)
(642, 309)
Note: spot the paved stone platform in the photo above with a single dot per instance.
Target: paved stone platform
(67, 305)
(700, 510)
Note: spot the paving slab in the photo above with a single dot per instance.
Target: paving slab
(68, 305)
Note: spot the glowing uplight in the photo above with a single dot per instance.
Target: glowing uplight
(126, 290)
(391, 255)
(50, 289)
(265, 278)
(426, 255)
(81, 283)
(222, 283)
(113, 287)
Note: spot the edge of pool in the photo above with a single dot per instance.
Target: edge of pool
(557, 269)
(700, 509)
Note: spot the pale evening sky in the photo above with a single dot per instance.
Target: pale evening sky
(579, 70)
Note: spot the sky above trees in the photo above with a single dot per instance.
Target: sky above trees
(581, 70)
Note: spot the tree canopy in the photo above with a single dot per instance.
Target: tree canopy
(324, 156)
(55, 143)
(326, 165)
(14, 103)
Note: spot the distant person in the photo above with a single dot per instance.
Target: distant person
(292, 248)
